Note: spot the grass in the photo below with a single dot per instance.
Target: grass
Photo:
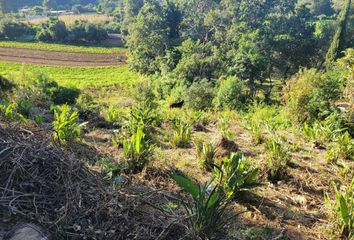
(90, 79)
(70, 19)
(62, 47)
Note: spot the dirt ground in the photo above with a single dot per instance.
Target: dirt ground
(54, 58)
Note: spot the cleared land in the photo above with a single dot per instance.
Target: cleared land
(55, 58)
(70, 19)
(64, 47)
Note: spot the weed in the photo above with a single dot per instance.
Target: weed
(110, 170)
(24, 107)
(224, 124)
(113, 114)
(343, 148)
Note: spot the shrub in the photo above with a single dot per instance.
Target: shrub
(66, 124)
(205, 154)
(256, 133)
(137, 151)
(53, 30)
(13, 30)
(200, 95)
(24, 107)
(181, 133)
(231, 94)
(5, 85)
(224, 124)
(236, 174)
(342, 212)
(64, 95)
(312, 95)
(277, 158)
(205, 213)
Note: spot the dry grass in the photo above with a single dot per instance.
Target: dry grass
(70, 19)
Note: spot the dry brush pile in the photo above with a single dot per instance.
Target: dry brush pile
(43, 184)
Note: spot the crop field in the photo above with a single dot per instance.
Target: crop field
(63, 47)
(70, 19)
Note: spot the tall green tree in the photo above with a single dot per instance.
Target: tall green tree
(148, 38)
(338, 44)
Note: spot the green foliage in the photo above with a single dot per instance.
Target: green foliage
(110, 169)
(181, 133)
(205, 153)
(137, 151)
(64, 95)
(24, 107)
(205, 213)
(342, 211)
(342, 148)
(339, 42)
(236, 174)
(277, 157)
(200, 95)
(66, 124)
(231, 94)
(145, 115)
(312, 95)
(113, 114)
(9, 112)
(256, 133)
(224, 125)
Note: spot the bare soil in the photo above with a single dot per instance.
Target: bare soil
(55, 58)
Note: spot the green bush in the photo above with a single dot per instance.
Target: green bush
(206, 212)
(312, 95)
(64, 95)
(236, 174)
(200, 95)
(231, 94)
(24, 107)
(66, 124)
(342, 148)
(8, 110)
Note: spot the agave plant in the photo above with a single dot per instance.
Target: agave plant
(236, 174)
(206, 212)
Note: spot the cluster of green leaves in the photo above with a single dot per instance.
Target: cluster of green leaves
(342, 148)
(137, 151)
(236, 174)
(342, 211)
(277, 157)
(181, 133)
(66, 125)
(205, 213)
(206, 153)
(9, 111)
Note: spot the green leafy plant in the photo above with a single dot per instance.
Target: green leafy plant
(205, 154)
(342, 211)
(205, 213)
(181, 133)
(9, 112)
(113, 114)
(110, 170)
(343, 148)
(24, 107)
(137, 151)
(277, 157)
(66, 124)
(224, 124)
(256, 133)
(236, 174)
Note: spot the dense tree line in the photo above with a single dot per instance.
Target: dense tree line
(186, 42)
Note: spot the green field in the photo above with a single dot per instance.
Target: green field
(80, 77)
(62, 47)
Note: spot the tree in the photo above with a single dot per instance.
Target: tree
(338, 44)
(323, 7)
(147, 40)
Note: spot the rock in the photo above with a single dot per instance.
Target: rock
(25, 232)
